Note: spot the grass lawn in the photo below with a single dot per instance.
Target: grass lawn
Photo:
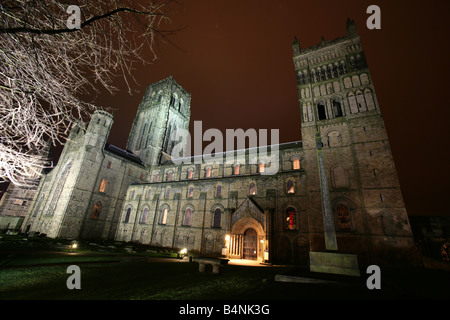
(29, 271)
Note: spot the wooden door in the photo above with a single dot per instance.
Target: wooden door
(250, 244)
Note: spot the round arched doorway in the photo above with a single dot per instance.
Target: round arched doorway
(250, 246)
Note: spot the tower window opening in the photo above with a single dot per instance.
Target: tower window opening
(321, 112)
(337, 109)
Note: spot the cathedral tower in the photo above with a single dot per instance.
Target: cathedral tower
(340, 116)
(164, 108)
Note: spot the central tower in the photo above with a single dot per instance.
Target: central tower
(164, 108)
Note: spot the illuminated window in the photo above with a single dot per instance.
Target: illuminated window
(169, 176)
(102, 186)
(252, 189)
(290, 187)
(296, 164)
(217, 218)
(156, 177)
(236, 170)
(144, 215)
(97, 209)
(187, 217)
(208, 173)
(261, 168)
(164, 216)
(191, 192)
(190, 174)
(290, 218)
(127, 215)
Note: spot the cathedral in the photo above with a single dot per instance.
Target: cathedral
(335, 191)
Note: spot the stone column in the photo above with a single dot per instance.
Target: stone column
(327, 212)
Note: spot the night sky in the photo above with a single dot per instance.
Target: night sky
(235, 58)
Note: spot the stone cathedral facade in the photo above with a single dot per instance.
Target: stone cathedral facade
(99, 191)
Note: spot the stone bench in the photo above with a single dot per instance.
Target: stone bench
(216, 264)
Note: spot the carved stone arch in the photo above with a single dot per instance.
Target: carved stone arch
(334, 138)
(247, 223)
(208, 243)
(220, 242)
(190, 240)
(180, 240)
(340, 177)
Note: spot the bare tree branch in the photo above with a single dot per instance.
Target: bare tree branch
(46, 67)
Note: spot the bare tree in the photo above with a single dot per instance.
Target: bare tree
(47, 65)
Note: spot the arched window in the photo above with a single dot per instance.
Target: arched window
(252, 189)
(168, 193)
(219, 191)
(156, 177)
(291, 223)
(190, 174)
(343, 217)
(187, 217)
(236, 170)
(97, 209)
(290, 187)
(217, 218)
(132, 194)
(102, 186)
(169, 176)
(144, 215)
(352, 102)
(337, 109)
(296, 164)
(369, 99)
(164, 216)
(127, 215)
(191, 192)
(321, 112)
(361, 102)
(148, 194)
(208, 172)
